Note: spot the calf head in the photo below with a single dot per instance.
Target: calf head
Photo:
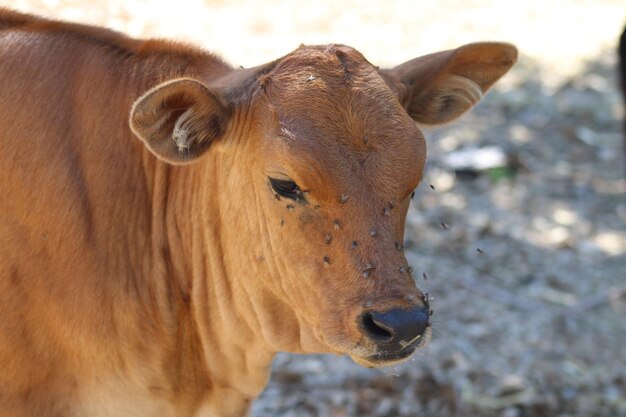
(318, 154)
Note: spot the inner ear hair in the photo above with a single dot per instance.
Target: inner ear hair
(180, 133)
(444, 102)
(462, 88)
(191, 131)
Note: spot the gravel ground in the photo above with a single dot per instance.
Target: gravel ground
(526, 260)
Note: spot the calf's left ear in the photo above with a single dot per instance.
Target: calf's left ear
(439, 87)
(179, 119)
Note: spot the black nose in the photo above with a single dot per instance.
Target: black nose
(396, 329)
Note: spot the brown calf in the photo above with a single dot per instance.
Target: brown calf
(153, 266)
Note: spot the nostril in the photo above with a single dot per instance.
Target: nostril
(374, 330)
(396, 327)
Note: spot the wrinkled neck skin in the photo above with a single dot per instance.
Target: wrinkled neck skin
(213, 259)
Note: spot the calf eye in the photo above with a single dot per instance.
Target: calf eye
(288, 189)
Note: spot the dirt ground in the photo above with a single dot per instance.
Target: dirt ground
(526, 260)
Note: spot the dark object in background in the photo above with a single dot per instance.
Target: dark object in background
(470, 162)
(622, 73)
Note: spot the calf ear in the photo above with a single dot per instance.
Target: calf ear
(438, 88)
(178, 120)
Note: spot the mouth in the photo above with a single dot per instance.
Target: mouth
(388, 358)
(385, 358)
(381, 359)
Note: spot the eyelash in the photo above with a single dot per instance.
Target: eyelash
(287, 189)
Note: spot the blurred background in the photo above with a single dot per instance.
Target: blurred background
(518, 230)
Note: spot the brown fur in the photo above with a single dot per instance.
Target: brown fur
(159, 276)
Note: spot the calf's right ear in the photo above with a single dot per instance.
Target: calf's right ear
(179, 119)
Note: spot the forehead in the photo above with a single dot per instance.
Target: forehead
(335, 111)
(332, 88)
